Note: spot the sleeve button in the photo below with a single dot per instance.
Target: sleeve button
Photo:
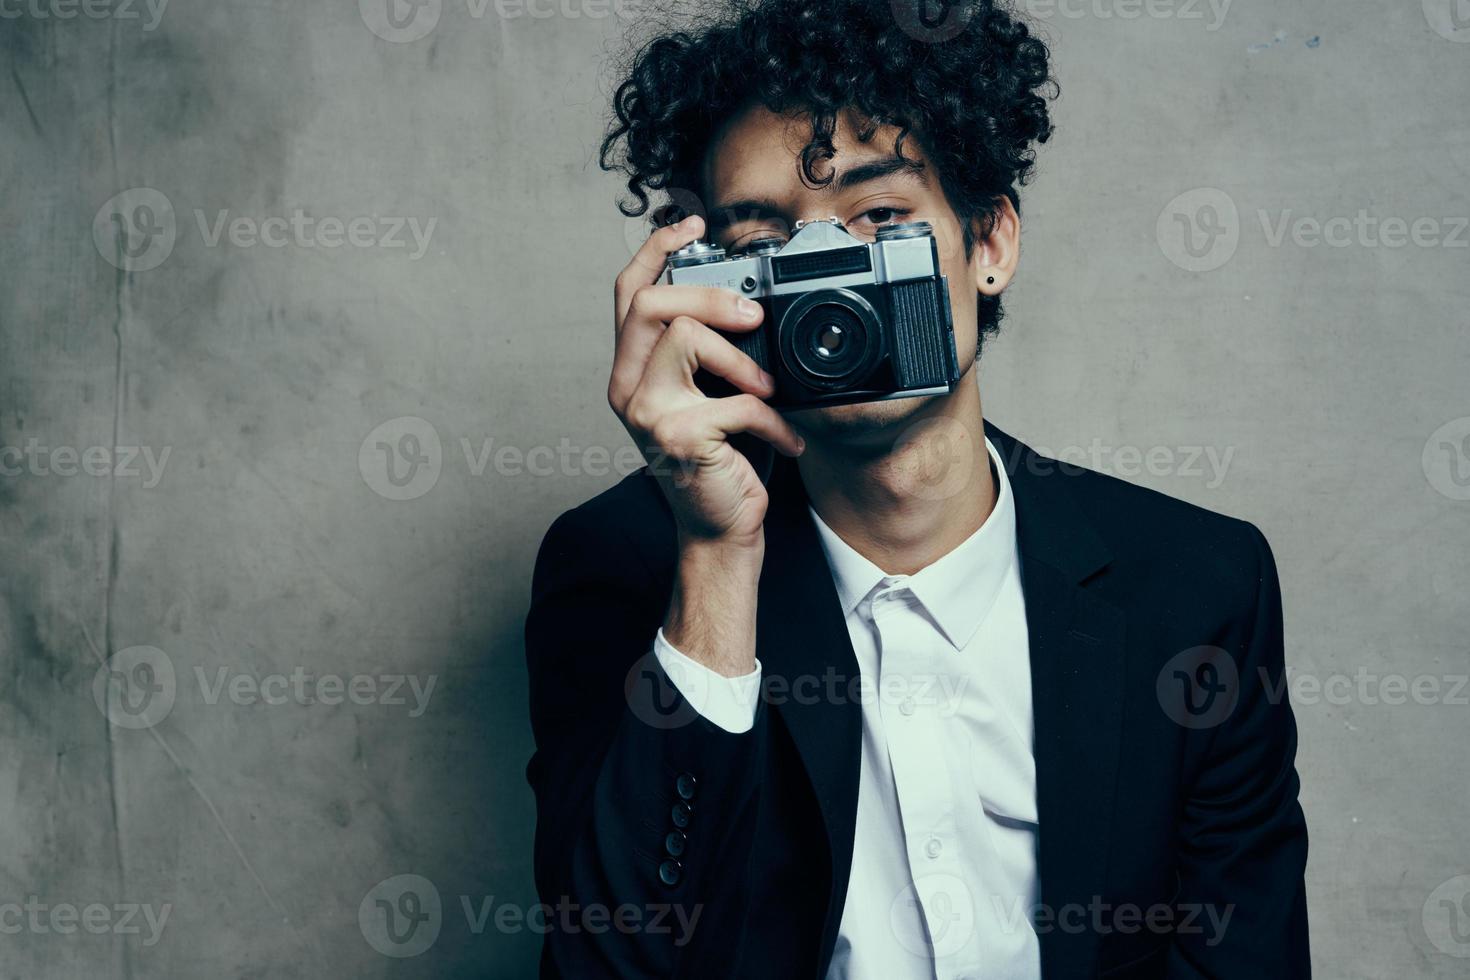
(675, 843)
(686, 785)
(670, 872)
(681, 814)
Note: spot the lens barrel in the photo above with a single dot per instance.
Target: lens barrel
(831, 339)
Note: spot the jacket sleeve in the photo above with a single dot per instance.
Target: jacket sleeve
(644, 809)
(1243, 837)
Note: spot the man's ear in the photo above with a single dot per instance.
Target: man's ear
(994, 255)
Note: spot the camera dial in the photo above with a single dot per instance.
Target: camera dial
(904, 229)
(764, 246)
(696, 253)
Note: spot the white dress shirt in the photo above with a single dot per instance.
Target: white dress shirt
(944, 850)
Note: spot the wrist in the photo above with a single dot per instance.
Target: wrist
(711, 616)
(736, 558)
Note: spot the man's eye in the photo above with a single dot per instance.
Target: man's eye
(883, 216)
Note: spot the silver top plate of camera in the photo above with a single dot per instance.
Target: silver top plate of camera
(817, 250)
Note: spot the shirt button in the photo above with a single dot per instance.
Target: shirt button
(933, 846)
(906, 706)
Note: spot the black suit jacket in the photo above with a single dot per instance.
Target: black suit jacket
(1164, 747)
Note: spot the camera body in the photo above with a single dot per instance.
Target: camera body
(845, 320)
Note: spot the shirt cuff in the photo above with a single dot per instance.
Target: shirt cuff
(728, 702)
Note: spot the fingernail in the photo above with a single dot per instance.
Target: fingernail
(800, 446)
(768, 379)
(748, 310)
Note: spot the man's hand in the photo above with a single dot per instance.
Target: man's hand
(664, 335)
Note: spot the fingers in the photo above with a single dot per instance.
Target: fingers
(719, 308)
(747, 413)
(669, 408)
(695, 432)
(634, 352)
(648, 262)
(688, 345)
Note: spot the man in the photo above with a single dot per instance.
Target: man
(895, 697)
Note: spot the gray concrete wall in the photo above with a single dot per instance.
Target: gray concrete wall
(276, 595)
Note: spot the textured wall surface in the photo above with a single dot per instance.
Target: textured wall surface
(283, 422)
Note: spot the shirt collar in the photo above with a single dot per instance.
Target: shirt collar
(959, 589)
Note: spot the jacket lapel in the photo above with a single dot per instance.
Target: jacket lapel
(802, 639)
(1077, 647)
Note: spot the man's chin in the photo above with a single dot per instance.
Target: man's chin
(868, 426)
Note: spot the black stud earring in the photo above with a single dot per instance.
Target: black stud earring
(990, 280)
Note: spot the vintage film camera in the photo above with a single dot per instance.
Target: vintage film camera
(846, 320)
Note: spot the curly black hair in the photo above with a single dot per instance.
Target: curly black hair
(966, 78)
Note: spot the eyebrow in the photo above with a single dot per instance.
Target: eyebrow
(726, 214)
(753, 208)
(877, 170)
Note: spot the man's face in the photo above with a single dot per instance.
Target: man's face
(754, 190)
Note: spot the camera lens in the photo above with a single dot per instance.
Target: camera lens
(830, 339)
(829, 344)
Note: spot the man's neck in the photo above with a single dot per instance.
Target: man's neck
(906, 508)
